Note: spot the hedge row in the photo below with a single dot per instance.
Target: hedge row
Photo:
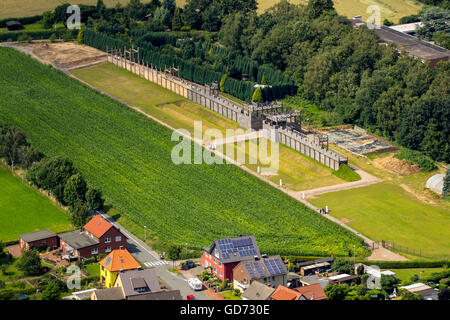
(408, 264)
(187, 70)
(24, 20)
(35, 35)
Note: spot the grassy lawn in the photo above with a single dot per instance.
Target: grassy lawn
(93, 269)
(23, 209)
(11, 271)
(297, 171)
(405, 274)
(228, 295)
(386, 211)
(153, 99)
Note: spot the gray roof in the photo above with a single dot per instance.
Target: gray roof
(436, 183)
(258, 291)
(235, 249)
(161, 295)
(78, 239)
(262, 268)
(308, 280)
(137, 279)
(38, 235)
(412, 45)
(115, 293)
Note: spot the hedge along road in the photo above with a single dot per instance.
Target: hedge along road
(127, 156)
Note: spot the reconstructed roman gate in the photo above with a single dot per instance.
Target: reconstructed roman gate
(254, 116)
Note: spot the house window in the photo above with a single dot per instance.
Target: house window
(215, 270)
(118, 238)
(107, 240)
(245, 280)
(214, 259)
(94, 251)
(220, 264)
(108, 249)
(220, 273)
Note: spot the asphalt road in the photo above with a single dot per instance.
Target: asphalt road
(151, 259)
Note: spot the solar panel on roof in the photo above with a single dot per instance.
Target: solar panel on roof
(108, 261)
(250, 270)
(259, 269)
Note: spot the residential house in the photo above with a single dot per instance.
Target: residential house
(141, 284)
(98, 236)
(283, 293)
(312, 292)
(43, 237)
(115, 262)
(225, 254)
(257, 291)
(424, 290)
(269, 271)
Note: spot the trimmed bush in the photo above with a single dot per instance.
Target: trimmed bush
(425, 163)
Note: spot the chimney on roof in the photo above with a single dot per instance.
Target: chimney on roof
(256, 258)
(264, 256)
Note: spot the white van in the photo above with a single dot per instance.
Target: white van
(195, 284)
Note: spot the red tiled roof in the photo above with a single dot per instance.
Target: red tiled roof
(98, 226)
(119, 259)
(312, 292)
(283, 293)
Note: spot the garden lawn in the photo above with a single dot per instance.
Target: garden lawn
(23, 209)
(405, 274)
(128, 156)
(385, 211)
(152, 99)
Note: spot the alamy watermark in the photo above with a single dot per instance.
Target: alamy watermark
(213, 140)
(74, 20)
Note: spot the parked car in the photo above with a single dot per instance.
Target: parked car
(190, 297)
(190, 264)
(195, 284)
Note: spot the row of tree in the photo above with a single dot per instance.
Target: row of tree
(55, 174)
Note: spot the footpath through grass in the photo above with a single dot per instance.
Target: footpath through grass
(128, 157)
(23, 209)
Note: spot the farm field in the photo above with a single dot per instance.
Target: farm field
(297, 171)
(153, 99)
(23, 209)
(27, 8)
(128, 157)
(388, 212)
(390, 9)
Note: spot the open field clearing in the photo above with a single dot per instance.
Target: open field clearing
(405, 274)
(153, 99)
(128, 157)
(297, 171)
(390, 9)
(26, 8)
(385, 211)
(23, 209)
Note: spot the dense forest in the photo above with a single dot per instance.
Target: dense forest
(340, 70)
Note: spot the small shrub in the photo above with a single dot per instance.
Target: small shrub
(425, 163)
(347, 174)
(25, 37)
(53, 38)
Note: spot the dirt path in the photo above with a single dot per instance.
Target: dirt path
(366, 179)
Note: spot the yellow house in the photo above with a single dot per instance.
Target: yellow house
(118, 260)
